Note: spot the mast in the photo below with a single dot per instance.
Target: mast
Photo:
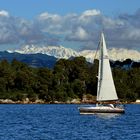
(106, 89)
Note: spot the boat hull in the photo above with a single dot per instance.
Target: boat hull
(93, 110)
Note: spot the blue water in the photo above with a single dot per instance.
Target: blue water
(63, 122)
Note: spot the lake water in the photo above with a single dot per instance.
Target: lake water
(63, 122)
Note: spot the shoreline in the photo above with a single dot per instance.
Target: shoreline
(8, 101)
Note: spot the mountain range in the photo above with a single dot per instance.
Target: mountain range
(61, 52)
(33, 60)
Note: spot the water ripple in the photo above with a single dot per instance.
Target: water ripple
(63, 122)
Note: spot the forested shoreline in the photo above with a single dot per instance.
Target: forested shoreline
(68, 80)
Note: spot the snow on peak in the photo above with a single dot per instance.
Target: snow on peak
(56, 51)
(62, 52)
(114, 54)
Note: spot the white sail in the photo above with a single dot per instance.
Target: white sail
(106, 89)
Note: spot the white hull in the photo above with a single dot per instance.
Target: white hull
(100, 109)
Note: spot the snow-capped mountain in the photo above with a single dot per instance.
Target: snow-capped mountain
(56, 51)
(114, 54)
(62, 52)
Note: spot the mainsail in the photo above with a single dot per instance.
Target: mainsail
(106, 89)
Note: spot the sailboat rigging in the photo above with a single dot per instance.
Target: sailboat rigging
(106, 91)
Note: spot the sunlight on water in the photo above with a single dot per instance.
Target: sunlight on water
(108, 115)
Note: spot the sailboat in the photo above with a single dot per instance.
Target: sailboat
(107, 99)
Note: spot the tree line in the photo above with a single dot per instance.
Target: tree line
(69, 79)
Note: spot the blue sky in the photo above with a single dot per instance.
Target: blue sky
(71, 23)
(31, 8)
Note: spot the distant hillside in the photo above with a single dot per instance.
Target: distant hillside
(33, 60)
(43, 60)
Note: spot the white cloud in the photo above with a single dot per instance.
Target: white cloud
(88, 15)
(91, 13)
(121, 31)
(47, 16)
(80, 34)
(135, 34)
(4, 13)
